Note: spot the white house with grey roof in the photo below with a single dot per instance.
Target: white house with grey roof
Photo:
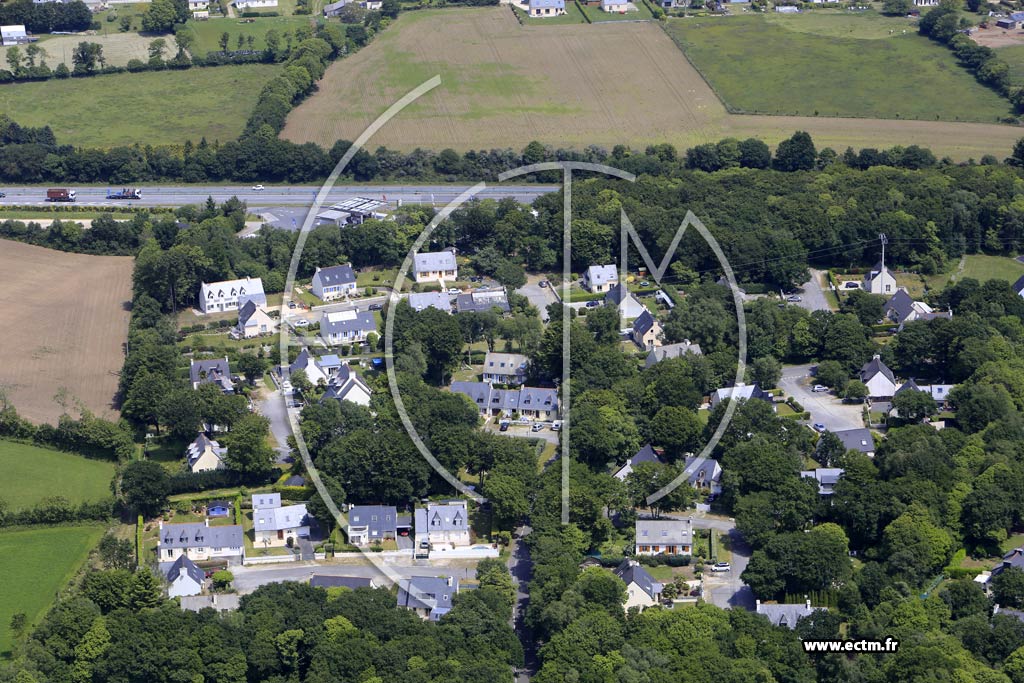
(629, 306)
(505, 368)
(786, 615)
(420, 301)
(369, 524)
(231, 295)
(645, 454)
(430, 597)
(347, 385)
(880, 280)
(741, 391)
(599, 279)
(641, 588)
(277, 526)
(347, 327)
(14, 34)
(902, 309)
(827, 478)
(204, 455)
(703, 474)
(184, 578)
(253, 321)
(664, 536)
(199, 542)
(618, 6)
(666, 351)
(534, 403)
(266, 501)
(333, 283)
(546, 8)
(213, 371)
(880, 380)
(434, 266)
(443, 524)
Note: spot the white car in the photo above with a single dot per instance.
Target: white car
(721, 567)
(257, 188)
(454, 290)
(818, 388)
(301, 322)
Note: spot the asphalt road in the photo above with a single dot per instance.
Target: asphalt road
(726, 589)
(520, 566)
(812, 294)
(541, 297)
(248, 579)
(276, 195)
(824, 407)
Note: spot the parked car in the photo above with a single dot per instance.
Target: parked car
(455, 290)
(721, 567)
(258, 188)
(593, 304)
(819, 427)
(301, 322)
(543, 283)
(503, 425)
(794, 299)
(851, 284)
(291, 304)
(556, 426)
(536, 427)
(376, 307)
(645, 283)
(818, 388)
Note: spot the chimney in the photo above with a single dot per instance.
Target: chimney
(876, 357)
(757, 605)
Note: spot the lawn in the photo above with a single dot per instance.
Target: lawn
(208, 33)
(597, 15)
(1014, 56)
(981, 267)
(36, 564)
(121, 109)
(572, 16)
(898, 76)
(33, 473)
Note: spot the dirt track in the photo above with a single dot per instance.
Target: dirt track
(64, 319)
(573, 85)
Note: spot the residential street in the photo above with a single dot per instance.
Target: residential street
(520, 566)
(824, 407)
(272, 407)
(725, 589)
(539, 296)
(248, 579)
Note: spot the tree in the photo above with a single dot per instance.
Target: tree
(508, 496)
(754, 153)
(223, 41)
(675, 429)
(1008, 588)
(796, 154)
(144, 487)
(914, 406)
(897, 8)
(17, 624)
(247, 449)
(492, 572)
(390, 8)
(87, 57)
(222, 579)
(160, 17)
(116, 553)
(318, 506)
(965, 598)
(831, 374)
(14, 59)
(93, 645)
(157, 48)
(766, 372)
(510, 274)
(856, 391)
(145, 590)
(251, 366)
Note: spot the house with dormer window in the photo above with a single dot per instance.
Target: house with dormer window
(199, 542)
(443, 524)
(231, 295)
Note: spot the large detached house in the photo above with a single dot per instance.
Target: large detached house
(641, 588)
(505, 368)
(434, 266)
(428, 596)
(443, 524)
(369, 524)
(902, 309)
(231, 295)
(786, 615)
(204, 454)
(347, 327)
(664, 536)
(216, 371)
(599, 279)
(703, 474)
(680, 350)
(646, 331)
(880, 381)
(546, 8)
(199, 542)
(277, 525)
(334, 282)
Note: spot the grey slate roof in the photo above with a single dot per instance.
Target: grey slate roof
(198, 535)
(447, 517)
(786, 615)
(597, 275)
(1018, 286)
(433, 260)
(353, 582)
(215, 371)
(280, 518)
(645, 454)
(198, 447)
(380, 520)
(422, 300)
(702, 471)
(827, 478)
(874, 367)
(541, 4)
(663, 532)
(1014, 558)
(534, 398)
(342, 383)
(616, 294)
(262, 501)
(644, 323)
(857, 439)
(186, 566)
(335, 275)
(246, 311)
(630, 571)
(899, 306)
(362, 321)
(478, 392)
(428, 592)
(679, 350)
(481, 301)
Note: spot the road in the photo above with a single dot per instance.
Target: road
(541, 297)
(272, 407)
(520, 566)
(726, 589)
(813, 295)
(248, 579)
(275, 195)
(823, 407)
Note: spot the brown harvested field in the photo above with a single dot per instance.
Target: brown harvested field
(64, 319)
(996, 37)
(118, 48)
(504, 84)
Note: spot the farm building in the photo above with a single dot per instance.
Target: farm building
(14, 35)
(334, 9)
(1006, 23)
(547, 8)
(243, 5)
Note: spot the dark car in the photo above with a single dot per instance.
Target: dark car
(376, 307)
(593, 304)
(2, 195)
(503, 426)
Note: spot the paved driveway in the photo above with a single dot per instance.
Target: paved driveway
(538, 296)
(824, 407)
(726, 589)
(813, 295)
(272, 407)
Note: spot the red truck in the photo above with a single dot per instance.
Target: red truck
(60, 194)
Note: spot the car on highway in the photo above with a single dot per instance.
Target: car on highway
(819, 427)
(721, 567)
(593, 304)
(376, 307)
(2, 195)
(301, 322)
(258, 188)
(818, 388)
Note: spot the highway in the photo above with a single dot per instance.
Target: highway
(274, 195)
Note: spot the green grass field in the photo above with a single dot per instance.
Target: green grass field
(161, 107)
(208, 32)
(807, 66)
(35, 565)
(1014, 56)
(981, 267)
(34, 473)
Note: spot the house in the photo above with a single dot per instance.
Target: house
(204, 455)
(185, 578)
(827, 478)
(194, 5)
(14, 34)
(482, 300)
(859, 440)
(641, 588)
(546, 8)
(505, 368)
(355, 210)
(332, 10)
(244, 5)
(647, 331)
(434, 266)
(530, 402)
(266, 501)
(422, 300)
(938, 392)
(703, 473)
(660, 353)
(443, 524)
(347, 327)
(645, 454)
(350, 582)
(599, 279)
(741, 391)
(334, 282)
(310, 365)
(879, 280)
(664, 536)
(428, 596)
(786, 615)
(220, 603)
(901, 309)
(619, 6)
(218, 508)
(253, 321)
(216, 371)
(276, 526)
(231, 295)
(629, 307)
(880, 381)
(295, 480)
(371, 524)
(1013, 559)
(199, 542)
(346, 385)
(1018, 286)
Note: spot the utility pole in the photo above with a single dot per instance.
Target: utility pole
(885, 240)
